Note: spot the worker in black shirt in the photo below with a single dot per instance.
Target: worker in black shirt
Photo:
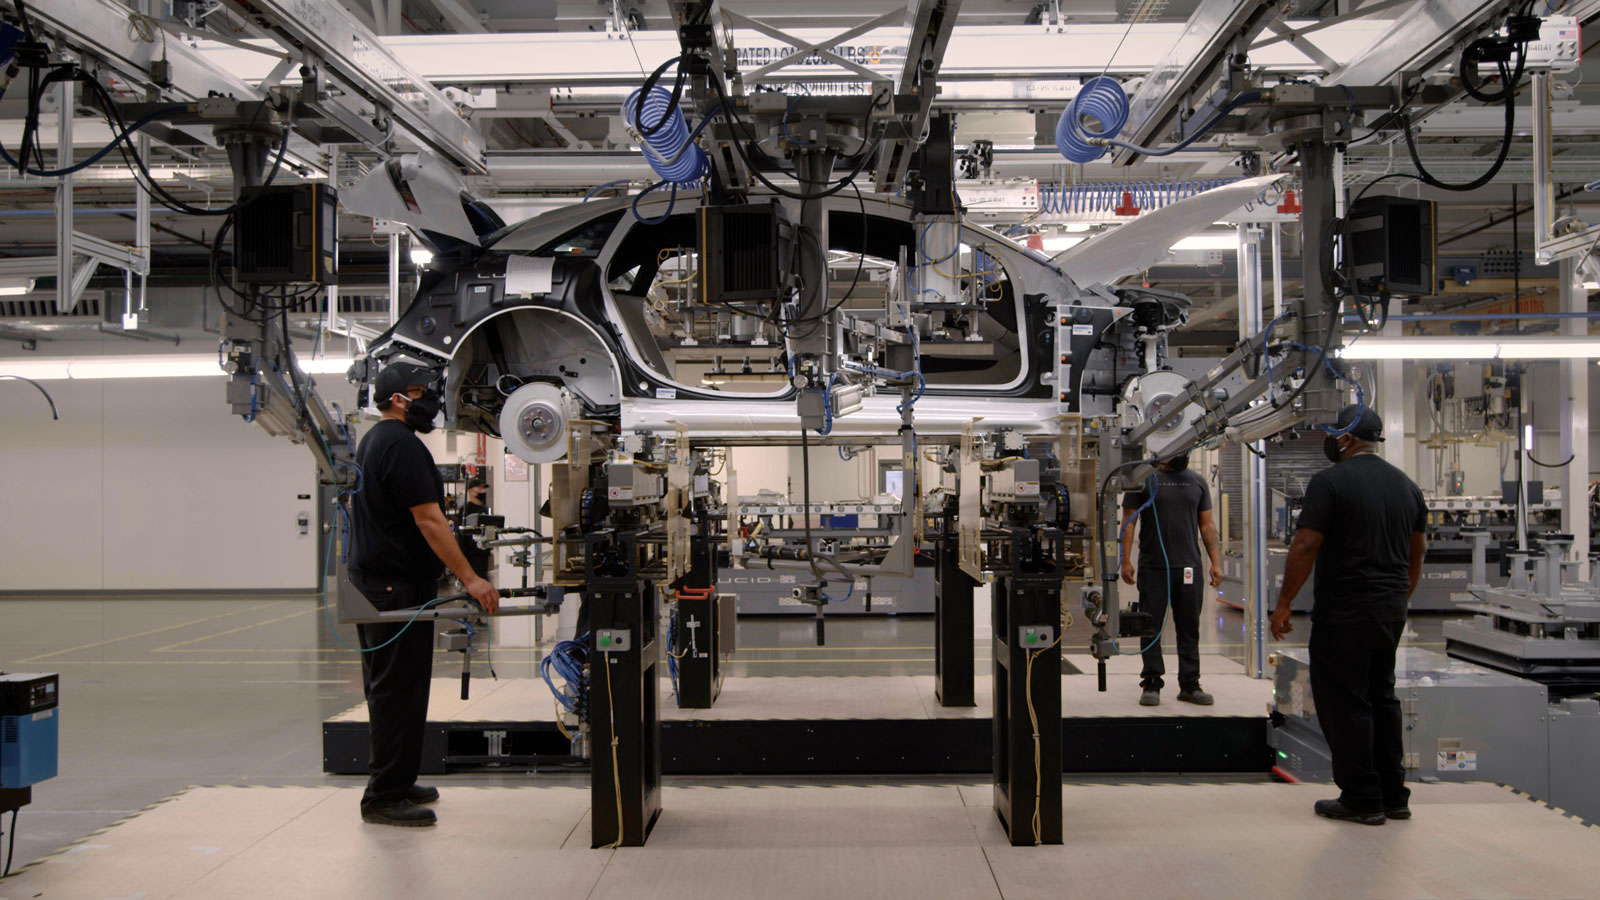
(1362, 525)
(399, 535)
(472, 503)
(1170, 530)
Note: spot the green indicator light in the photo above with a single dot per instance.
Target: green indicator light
(1282, 755)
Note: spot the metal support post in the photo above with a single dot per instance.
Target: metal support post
(66, 298)
(696, 636)
(1277, 269)
(141, 228)
(1524, 447)
(816, 170)
(1392, 398)
(1320, 326)
(624, 697)
(1575, 421)
(331, 292)
(952, 618)
(394, 278)
(1027, 687)
(1253, 471)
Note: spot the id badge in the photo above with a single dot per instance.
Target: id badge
(1188, 574)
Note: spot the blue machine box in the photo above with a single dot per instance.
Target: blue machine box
(30, 729)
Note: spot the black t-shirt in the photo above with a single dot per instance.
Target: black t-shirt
(397, 473)
(1180, 498)
(1366, 510)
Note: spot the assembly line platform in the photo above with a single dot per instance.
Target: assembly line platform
(851, 725)
(1194, 841)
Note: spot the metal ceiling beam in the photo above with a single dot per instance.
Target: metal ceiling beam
(1214, 42)
(330, 38)
(462, 17)
(1365, 12)
(102, 25)
(1422, 39)
(1047, 63)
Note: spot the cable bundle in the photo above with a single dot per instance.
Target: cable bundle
(568, 659)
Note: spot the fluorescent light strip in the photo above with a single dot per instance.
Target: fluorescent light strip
(157, 366)
(1538, 347)
(1058, 244)
(1208, 242)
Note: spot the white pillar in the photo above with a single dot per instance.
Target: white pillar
(1253, 472)
(1575, 419)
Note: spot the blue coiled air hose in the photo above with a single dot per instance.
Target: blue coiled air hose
(670, 150)
(1101, 98)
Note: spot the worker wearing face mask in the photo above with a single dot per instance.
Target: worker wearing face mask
(1363, 526)
(400, 542)
(1170, 530)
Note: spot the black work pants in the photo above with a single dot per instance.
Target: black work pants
(1153, 591)
(1352, 684)
(396, 670)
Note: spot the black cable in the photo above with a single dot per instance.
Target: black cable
(738, 145)
(1509, 93)
(48, 399)
(123, 142)
(11, 854)
(860, 264)
(1564, 463)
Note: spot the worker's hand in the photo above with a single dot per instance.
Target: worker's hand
(1280, 623)
(1216, 576)
(1127, 572)
(480, 590)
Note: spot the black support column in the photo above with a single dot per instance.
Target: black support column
(696, 637)
(952, 620)
(624, 714)
(1027, 688)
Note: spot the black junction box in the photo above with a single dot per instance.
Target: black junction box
(286, 234)
(1393, 245)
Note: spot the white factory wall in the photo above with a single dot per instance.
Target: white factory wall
(148, 485)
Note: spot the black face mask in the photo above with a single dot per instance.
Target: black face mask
(1179, 463)
(422, 411)
(1331, 448)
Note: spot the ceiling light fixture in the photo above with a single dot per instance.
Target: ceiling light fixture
(1535, 347)
(1208, 241)
(15, 286)
(154, 366)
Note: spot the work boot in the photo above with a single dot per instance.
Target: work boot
(1150, 698)
(1335, 809)
(1196, 696)
(403, 813)
(421, 793)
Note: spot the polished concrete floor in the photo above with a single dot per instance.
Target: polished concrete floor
(159, 695)
(823, 842)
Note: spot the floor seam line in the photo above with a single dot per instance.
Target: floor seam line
(999, 891)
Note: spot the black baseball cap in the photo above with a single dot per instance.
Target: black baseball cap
(1368, 427)
(396, 378)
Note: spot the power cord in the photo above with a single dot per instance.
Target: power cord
(11, 854)
(48, 399)
(616, 774)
